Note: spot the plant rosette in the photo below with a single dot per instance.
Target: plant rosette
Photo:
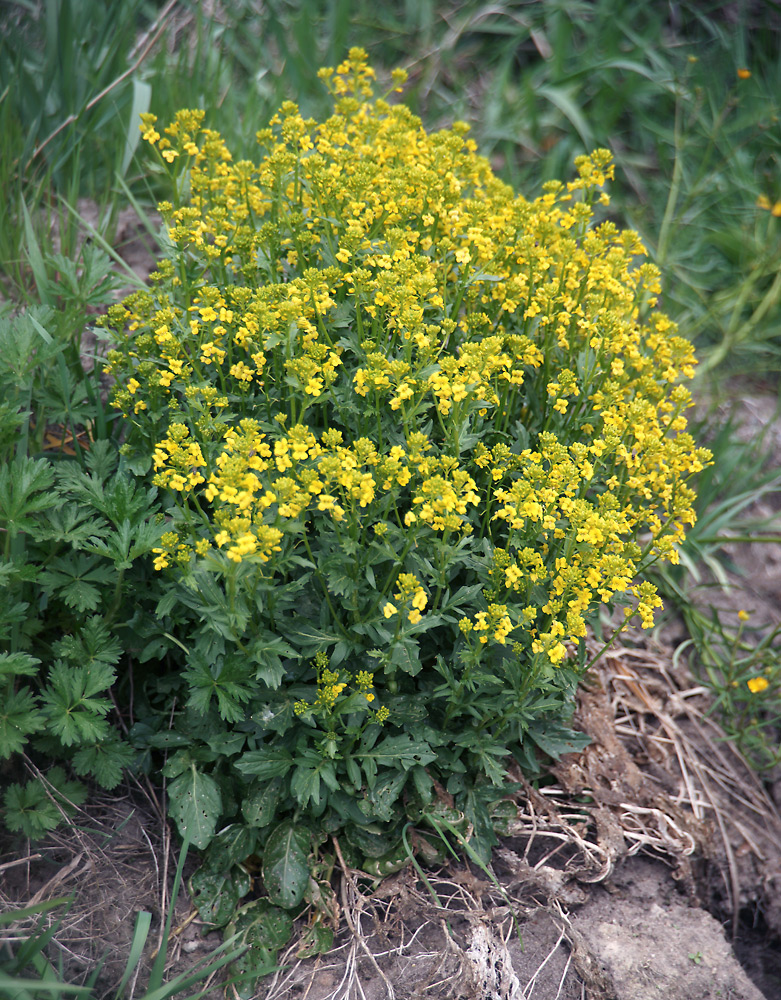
(414, 429)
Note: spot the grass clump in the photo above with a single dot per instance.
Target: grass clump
(412, 431)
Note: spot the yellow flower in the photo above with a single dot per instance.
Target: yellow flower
(744, 615)
(389, 610)
(744, 74)
(757, 684)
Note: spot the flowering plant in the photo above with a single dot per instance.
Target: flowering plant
(414, 429)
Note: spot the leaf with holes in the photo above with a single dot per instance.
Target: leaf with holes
(216, 895)
(195, 805)
(231, 846)
(285, 867)
(264, 929)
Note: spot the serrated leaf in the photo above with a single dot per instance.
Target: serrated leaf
(384, 793)
(20, 717)
(29, 810)
(94, 644)
(266, 652)
(69, 522)
(24, 491)
(285, 864)
(405, 655)
(371, 842)
(126, 542)
(18, 665)
(264, 929)
(260, 923)
(105, 761)
(196, 805)
(227, 680)
(77, 579)
(216, 895)
(305, 785)
(37, 807)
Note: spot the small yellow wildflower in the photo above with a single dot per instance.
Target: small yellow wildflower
(744, 74)
(758, 684)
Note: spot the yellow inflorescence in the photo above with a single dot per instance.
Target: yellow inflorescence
(510, 372)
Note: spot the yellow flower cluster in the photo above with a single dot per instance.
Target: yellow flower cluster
(410, 596)
(330, 686)
(381, 332)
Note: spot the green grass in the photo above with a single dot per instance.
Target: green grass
(698, 152)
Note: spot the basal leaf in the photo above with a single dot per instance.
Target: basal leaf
(196, 804)
(232, 845)
(383, 795)
(259, 803)
(316, 940)
(216, 894)
(556, 739)
(285, 864)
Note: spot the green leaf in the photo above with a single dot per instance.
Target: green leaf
(78, 580)
(126, 542)
(105, 761)
(383, 795)
(19, 718)
(372, 842)
(305, 783)
(18, 665)
(216, 895)
(259, 802)
(266, 652)
(231, 846)
(71, 523)
(316, 940)
(310, 638)
(74, 713)
(24, 491)
(405, 654)
(555, 739)
(29, 810)
(196, 805)
(37, 807)
(271, 762)
(395, 750)
(264, 929)
(285, 867)
(94, 644)
(227, 680)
